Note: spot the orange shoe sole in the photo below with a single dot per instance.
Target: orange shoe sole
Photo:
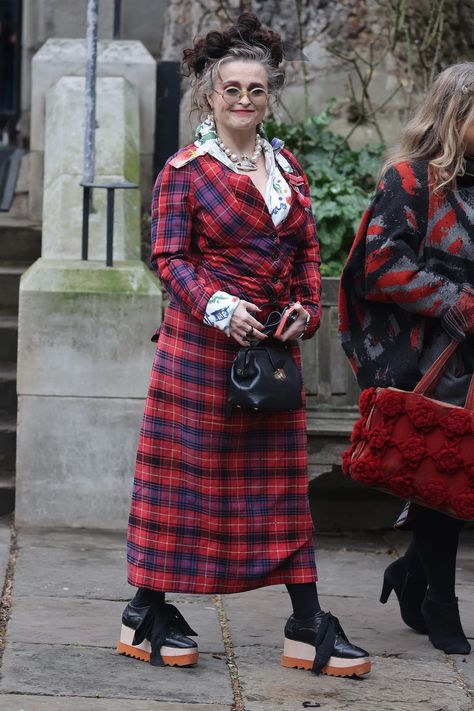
(172, 656)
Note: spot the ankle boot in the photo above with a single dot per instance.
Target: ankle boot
(319, 643)
(444, 626)
(157, 633)
(410, 592)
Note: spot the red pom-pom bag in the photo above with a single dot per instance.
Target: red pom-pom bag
(412, 446)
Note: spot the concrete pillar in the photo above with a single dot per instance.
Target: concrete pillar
(84, 350)
(63, 57)
(84, 357)
(117, 158)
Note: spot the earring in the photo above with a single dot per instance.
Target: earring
(211, 119)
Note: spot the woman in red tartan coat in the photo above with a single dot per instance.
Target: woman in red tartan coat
(220, 503)
(406, 291)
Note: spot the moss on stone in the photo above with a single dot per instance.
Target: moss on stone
(67, 277)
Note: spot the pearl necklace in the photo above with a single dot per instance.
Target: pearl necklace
(245, 162)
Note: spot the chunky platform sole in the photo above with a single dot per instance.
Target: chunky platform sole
(172, 656)
(300, 655)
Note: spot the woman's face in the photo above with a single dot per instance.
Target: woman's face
(469, 139)
(249, 110)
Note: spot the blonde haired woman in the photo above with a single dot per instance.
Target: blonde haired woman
(406, 290)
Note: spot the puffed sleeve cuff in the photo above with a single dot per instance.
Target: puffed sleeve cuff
(220, 309)
(459, 318)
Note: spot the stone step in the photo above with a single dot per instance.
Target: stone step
(8, 338)
(329, 431)
(7, 492)
(20, 240)
(9, 286)
(19, 207)
(7, 443)
(8, 400)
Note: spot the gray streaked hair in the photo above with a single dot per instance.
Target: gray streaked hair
(244, 52)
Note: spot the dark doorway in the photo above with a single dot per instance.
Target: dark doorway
(10, 68)
(168, 96)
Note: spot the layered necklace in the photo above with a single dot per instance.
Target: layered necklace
(245, 162)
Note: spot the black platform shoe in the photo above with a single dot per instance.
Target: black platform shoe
(444, 626)
(158, 634)
(410, 592)
(320, 644)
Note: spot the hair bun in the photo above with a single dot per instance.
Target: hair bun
(216, 44)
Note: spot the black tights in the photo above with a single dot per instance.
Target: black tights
(432, 552)
(144, 596)
(304, 598)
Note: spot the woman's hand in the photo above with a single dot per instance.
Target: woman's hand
(243, 327)
(298, 327)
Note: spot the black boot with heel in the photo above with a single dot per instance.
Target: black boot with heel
(444, 626)
(410, 591)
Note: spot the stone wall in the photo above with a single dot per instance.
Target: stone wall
(346, 26)
(167, 26)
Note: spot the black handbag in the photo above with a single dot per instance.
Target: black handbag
(264, 377)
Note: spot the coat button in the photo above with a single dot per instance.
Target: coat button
(275, 280)
(275, 254)
(274, 235)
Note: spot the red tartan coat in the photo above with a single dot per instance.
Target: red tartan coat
(220, 505)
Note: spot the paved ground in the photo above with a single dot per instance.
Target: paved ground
(69, 590)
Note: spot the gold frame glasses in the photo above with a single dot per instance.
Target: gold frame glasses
(232, 95)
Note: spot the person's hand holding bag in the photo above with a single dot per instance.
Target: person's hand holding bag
(243, 327)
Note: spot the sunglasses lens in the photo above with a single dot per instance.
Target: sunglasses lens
(257, 96)
(231, 95)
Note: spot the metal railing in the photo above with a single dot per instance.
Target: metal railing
(86, 210)
(87, 182)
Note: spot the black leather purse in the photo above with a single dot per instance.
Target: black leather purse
(264, 377)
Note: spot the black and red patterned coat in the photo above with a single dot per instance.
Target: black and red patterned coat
(408, 284)
(220, 504)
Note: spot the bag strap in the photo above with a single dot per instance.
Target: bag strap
(470, 396)
(433, 375)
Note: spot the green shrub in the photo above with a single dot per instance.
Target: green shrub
(341, 182)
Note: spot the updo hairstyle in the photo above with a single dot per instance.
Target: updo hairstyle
(246, 41)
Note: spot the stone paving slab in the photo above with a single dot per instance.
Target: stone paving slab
(361, 541)
(91, 572)
(395, 684)
(90, 671)
(17, 702)
(96, 623)
(71, 538)
(351, 573)
(465, 665)
(4, 547)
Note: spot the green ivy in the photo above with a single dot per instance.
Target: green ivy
(341, 181)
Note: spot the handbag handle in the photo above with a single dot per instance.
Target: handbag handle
(433, 375)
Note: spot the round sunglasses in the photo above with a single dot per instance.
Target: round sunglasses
(232, 94)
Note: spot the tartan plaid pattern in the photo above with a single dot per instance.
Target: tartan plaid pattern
(220, 505)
